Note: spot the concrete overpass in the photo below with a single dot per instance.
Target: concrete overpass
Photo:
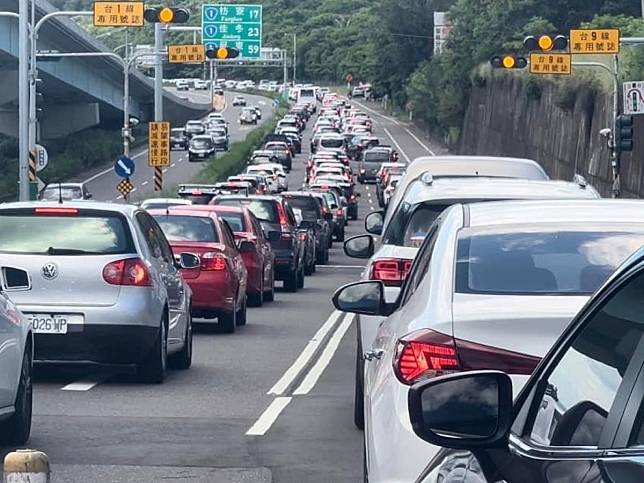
(76, 93)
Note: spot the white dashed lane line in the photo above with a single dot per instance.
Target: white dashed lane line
(144, 183)
(164, 170)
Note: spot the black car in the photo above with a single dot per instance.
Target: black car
(178, 139)
(370, 163)
(577, 419)
(276, 216)
(313, 213)
(201, 148)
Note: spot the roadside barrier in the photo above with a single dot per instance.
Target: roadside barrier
(26, 466)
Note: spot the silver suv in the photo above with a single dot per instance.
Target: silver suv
(99, 283)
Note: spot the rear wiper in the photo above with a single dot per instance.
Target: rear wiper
(69, 251)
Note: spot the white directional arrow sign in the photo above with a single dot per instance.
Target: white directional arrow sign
(125, 167)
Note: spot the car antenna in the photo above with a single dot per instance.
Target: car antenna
(60, 194)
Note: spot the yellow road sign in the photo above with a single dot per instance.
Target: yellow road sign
(125, 187)
(186, 54)
(159, 144)
(594, 41)
(118, 14)
(553, 64)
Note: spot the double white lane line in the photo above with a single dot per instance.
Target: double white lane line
(281, 387)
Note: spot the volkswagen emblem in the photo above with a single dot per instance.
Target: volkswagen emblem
(49, 271)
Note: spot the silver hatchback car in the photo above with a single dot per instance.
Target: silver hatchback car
(99, 284)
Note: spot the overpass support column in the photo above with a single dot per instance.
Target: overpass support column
(64, 119)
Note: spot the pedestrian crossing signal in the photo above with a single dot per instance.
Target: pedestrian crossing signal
(222, 53)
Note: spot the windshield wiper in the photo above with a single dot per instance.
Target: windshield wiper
(69, 251)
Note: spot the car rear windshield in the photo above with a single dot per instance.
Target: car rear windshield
(54, 193)
(537, 261)
(307, 204)
(234, 220)
(410, 223)
(332, 143)
(264, 210)
(196, 198)
(201, 143)
(376, 157)
(188, 228)
(65, 235)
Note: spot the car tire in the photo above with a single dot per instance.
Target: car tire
(358, 394)
(228, 321)
(341, 236)
(242, 313)
(290, 282)
(15, 431)
(309, 269)
(300, 277)
(153, 369)
(256, 299)
(320, 255)
(183, 359)
(269, 295)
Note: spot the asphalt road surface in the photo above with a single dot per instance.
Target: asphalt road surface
(270, 403)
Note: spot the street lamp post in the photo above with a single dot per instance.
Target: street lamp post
(23, 100)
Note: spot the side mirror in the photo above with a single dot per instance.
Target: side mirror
(374, 221)
(462, 411)
(360, 246)
(189, 260)
(273, 236)
(246, 246)
(366, 298)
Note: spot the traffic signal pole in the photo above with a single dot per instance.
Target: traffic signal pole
(158, 73)
(23, 99)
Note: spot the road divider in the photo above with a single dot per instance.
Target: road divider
(26, 465)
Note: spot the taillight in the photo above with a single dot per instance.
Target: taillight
(213, 262)
(286, 232)
(304, 236)
(390, 271)
(56, 211)
(425, 353)
(131, 272)
(340, 213)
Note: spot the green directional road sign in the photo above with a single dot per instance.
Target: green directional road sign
(237, 26)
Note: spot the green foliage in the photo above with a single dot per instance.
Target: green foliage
(533, 88)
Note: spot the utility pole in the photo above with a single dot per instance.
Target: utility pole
(23, 99)
(295, 56)
(158, 73)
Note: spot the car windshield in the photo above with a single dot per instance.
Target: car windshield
(331, 142)
(65, 235)
(307, 205)
(177, 132)
(201, 143)
(52, 193)
(234, 220)
(410, 223)
(179, 228)
(264, 210)
(533, 260)
(376, 156)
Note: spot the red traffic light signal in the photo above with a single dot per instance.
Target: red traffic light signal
(222, 53)
(166, 15)
(508, 62)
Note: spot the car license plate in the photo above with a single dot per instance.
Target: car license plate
(53, 323)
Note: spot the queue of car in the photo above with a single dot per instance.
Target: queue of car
(494, 319)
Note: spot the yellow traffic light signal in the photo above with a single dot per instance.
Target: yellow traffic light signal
(222, 53)
(166, 15)
(509, 61)
(546, 43)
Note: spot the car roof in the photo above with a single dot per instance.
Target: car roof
(606, 211)
(125, 209)
(180, 201)
(186, 210)
(495, 189)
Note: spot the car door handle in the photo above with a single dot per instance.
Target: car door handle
(373, 354)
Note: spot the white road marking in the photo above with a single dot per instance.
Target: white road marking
(87, 383)
(396, 144)
(305, 356)
(133, 190)
(120, 197)
(420, 142)
(144, 183)
(329, 351)
(173, 165)
(164, 170)
(269, 416)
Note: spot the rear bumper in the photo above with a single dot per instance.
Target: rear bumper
(285, 263)
(99, 344)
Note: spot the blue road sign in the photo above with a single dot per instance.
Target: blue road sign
(124, 167)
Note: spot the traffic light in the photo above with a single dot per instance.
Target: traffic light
(545, 43)
(624, 133)
(222, 53)
(509, 61)
(166, 15)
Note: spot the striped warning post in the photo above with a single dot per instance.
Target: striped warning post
(158, 179)
(32, 166)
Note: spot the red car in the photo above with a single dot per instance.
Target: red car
(219, 284)
(260, 262)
